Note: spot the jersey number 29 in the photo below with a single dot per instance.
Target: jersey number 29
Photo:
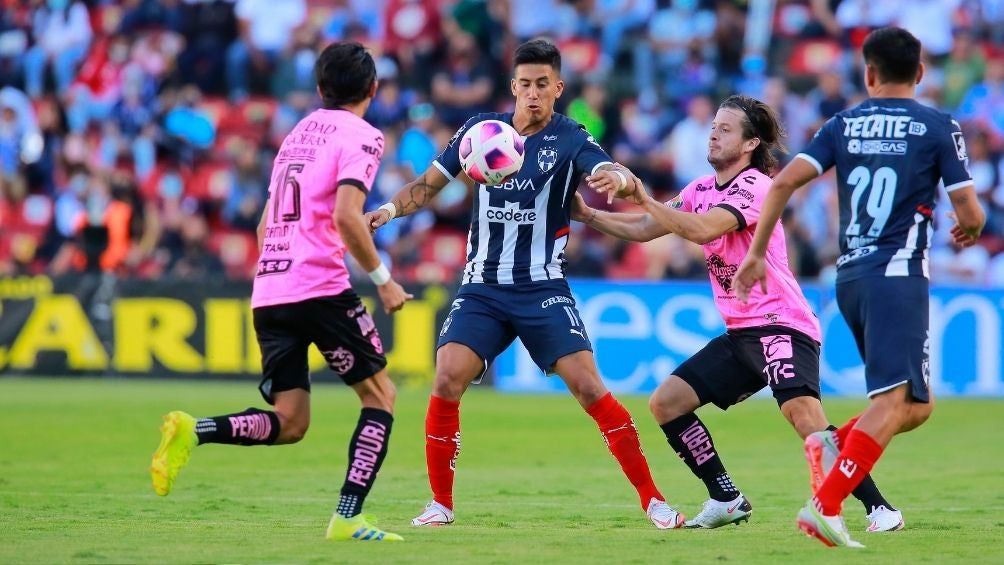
(880, 198)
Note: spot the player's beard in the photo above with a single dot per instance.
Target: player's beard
(724, 159)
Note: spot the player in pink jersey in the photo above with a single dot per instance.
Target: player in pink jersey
(771, 341)
(314, 214)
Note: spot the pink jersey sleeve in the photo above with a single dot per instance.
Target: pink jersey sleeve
(359, 168)
(685, 200)
(745, 197)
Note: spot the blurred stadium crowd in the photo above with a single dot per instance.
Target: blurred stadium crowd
(137, 136)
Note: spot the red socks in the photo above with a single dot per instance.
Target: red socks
(842, 431)
(621, 437)
(442, 446)
(857, 457)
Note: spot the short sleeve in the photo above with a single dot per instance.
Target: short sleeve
(448, 162)
(821, 151)
(358, 165)
(744, 198)
(685, 200)
(590, 155)
(953, 161)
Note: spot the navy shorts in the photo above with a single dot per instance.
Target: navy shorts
(734, 366)
(487, 318)
(339, 326)
(889, 318)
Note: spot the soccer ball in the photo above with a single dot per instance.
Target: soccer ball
(491, 152)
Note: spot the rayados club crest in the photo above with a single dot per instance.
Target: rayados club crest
(546, 158)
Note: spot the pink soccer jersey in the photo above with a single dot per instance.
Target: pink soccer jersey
(303, 256)
(784, 303)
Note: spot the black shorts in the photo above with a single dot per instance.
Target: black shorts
(889, 318)
(339, 326)
(739, 363)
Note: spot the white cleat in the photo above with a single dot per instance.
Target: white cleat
(716, 513)
(664, 516)
(821, 452)
(830, 530)
(881, 519)
(435, 515)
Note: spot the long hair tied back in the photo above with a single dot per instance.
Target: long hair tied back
(761, 122)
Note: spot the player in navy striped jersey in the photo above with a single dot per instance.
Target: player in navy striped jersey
(890, 153)
(514, 284)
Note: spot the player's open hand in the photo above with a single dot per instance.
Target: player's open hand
(376, 218)
(753, 270)
(615, 183)
(581, 212)
(393, 296)
(959, 236)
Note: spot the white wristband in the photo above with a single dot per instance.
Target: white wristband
(380, 276)
(391, 210)
(623, 179)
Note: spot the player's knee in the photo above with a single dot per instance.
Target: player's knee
(673, 398)
(922, 411)
(293, 432)
(805, 414)
(664, 408)
(449, 384)
(292, 427)
(587, 390)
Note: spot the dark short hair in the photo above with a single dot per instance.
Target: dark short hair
(760, 121)
(894, 53)
(537, 52)
(345, 73)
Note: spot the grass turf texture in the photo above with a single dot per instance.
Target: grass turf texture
(535, 484)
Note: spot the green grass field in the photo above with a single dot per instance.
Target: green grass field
(534, 485)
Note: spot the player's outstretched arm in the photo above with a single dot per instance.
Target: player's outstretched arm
(631, 227)
(969, 216)
(348, 219)
(413, 197)
(698, 228)
(753, 269)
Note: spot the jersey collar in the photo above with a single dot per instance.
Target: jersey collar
(721, 187)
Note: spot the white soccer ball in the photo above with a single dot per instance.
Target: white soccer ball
(491, 152)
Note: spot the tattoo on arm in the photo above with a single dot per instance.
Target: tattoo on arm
(416, 196)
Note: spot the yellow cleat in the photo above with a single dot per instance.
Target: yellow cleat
(177, 438)
(357, 528)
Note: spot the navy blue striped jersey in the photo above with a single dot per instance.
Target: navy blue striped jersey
(890, 154)
(519, 228)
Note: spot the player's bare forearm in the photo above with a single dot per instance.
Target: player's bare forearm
(418, 193)
(698, 228)
(357, 238)
(630, 227)
(969, 214)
